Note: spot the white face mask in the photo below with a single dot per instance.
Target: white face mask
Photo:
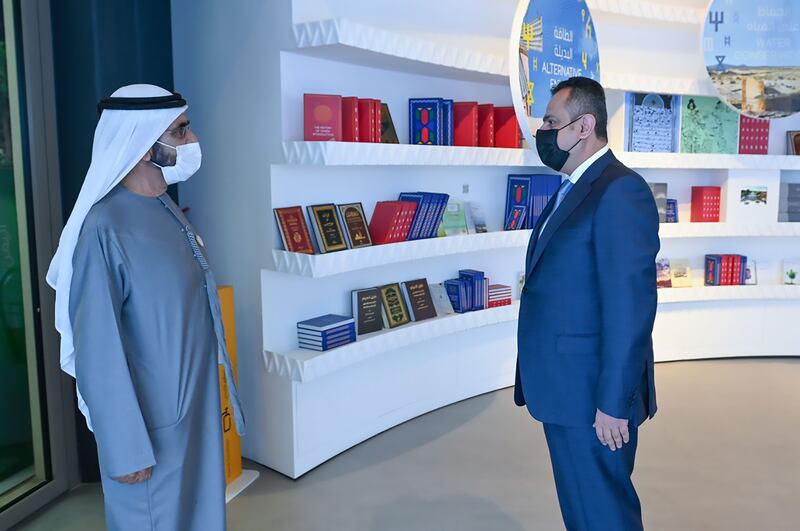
(187, 162)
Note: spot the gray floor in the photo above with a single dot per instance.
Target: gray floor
(723, 454)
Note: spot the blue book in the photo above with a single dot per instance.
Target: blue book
(518, 193)
(441, 205)
(448, 124)
(349, 338)
(419, 216)
(542, 189)
(743, 275)
(456, 291)
(475, 281)
(325, 348)
(713, 269)
(327, 332)
(672, 211)
(326, 336)
(516, 218)
(425, 121)
(325, 323)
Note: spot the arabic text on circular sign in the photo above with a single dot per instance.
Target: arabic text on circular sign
(752, 54)
(552, 41)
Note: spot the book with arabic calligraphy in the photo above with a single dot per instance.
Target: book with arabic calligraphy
(293, 229)
(355, 226)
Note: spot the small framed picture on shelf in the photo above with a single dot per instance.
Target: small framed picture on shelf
(751, 273)
(793, 142)
(663, 274)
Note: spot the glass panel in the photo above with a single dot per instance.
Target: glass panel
(21, 455)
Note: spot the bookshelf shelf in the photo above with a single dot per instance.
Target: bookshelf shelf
(363, 154)
(325, 265)
(657, 11)
(698, 161)
(306, 365)
(728, 230)
(436, 54)
(728, 293)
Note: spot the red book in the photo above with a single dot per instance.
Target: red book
(753, 136)
(391, 221)
(465, 123)
(498, 304)
(350, 129)
(486, 125)
(705, 204)
(737, 270)
(322, 117)
(294, 230)
(366, 120)
(506, 128)
(377, 138)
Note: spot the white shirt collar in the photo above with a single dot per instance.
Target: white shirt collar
(580, 170)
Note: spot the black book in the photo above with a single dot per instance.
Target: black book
(388, 132)
(418, 298)
(367, 311)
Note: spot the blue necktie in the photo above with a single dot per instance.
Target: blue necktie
(563, 190)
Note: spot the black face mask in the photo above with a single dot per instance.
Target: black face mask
(547, 145)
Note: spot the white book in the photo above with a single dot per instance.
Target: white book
(441, 301)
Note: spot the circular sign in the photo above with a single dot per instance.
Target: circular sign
(752, 54)
(552, 40)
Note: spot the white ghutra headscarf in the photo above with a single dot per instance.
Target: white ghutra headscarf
(131, 122)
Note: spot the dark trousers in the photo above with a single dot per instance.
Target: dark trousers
(594, 484)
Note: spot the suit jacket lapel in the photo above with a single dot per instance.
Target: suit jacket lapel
(573, 199)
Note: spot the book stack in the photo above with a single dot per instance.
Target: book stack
(499, 295)
(790, 202)
(443, 122)
(429, 211)
(526, 198)
(725, 270)
(705, 204)
(392, 221)
(468, 292)
(330, 117)
(326, 332)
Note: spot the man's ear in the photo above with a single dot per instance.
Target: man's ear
(148, 156)
(588, 123)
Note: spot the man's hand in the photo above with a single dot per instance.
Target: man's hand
(611, 432)
(137, 477)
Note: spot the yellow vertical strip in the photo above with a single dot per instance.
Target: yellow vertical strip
(232, 444)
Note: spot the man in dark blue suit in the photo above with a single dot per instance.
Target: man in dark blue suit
(585, 354)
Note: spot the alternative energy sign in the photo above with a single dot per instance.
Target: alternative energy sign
(752, 54)
(552, 40)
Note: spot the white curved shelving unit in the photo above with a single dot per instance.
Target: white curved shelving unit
(480, 59)
(728, 293)
(363, 154)
(307, 365)
(674, 231)
(697, 161)
(325, 265)
(658, 11)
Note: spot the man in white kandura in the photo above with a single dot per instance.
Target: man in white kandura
(140, 324)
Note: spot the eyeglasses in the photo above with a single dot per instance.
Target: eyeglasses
(180, 131)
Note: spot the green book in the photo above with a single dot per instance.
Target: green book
(708, 125)
(454, 220)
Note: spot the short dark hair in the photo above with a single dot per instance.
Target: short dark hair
(586, 97)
